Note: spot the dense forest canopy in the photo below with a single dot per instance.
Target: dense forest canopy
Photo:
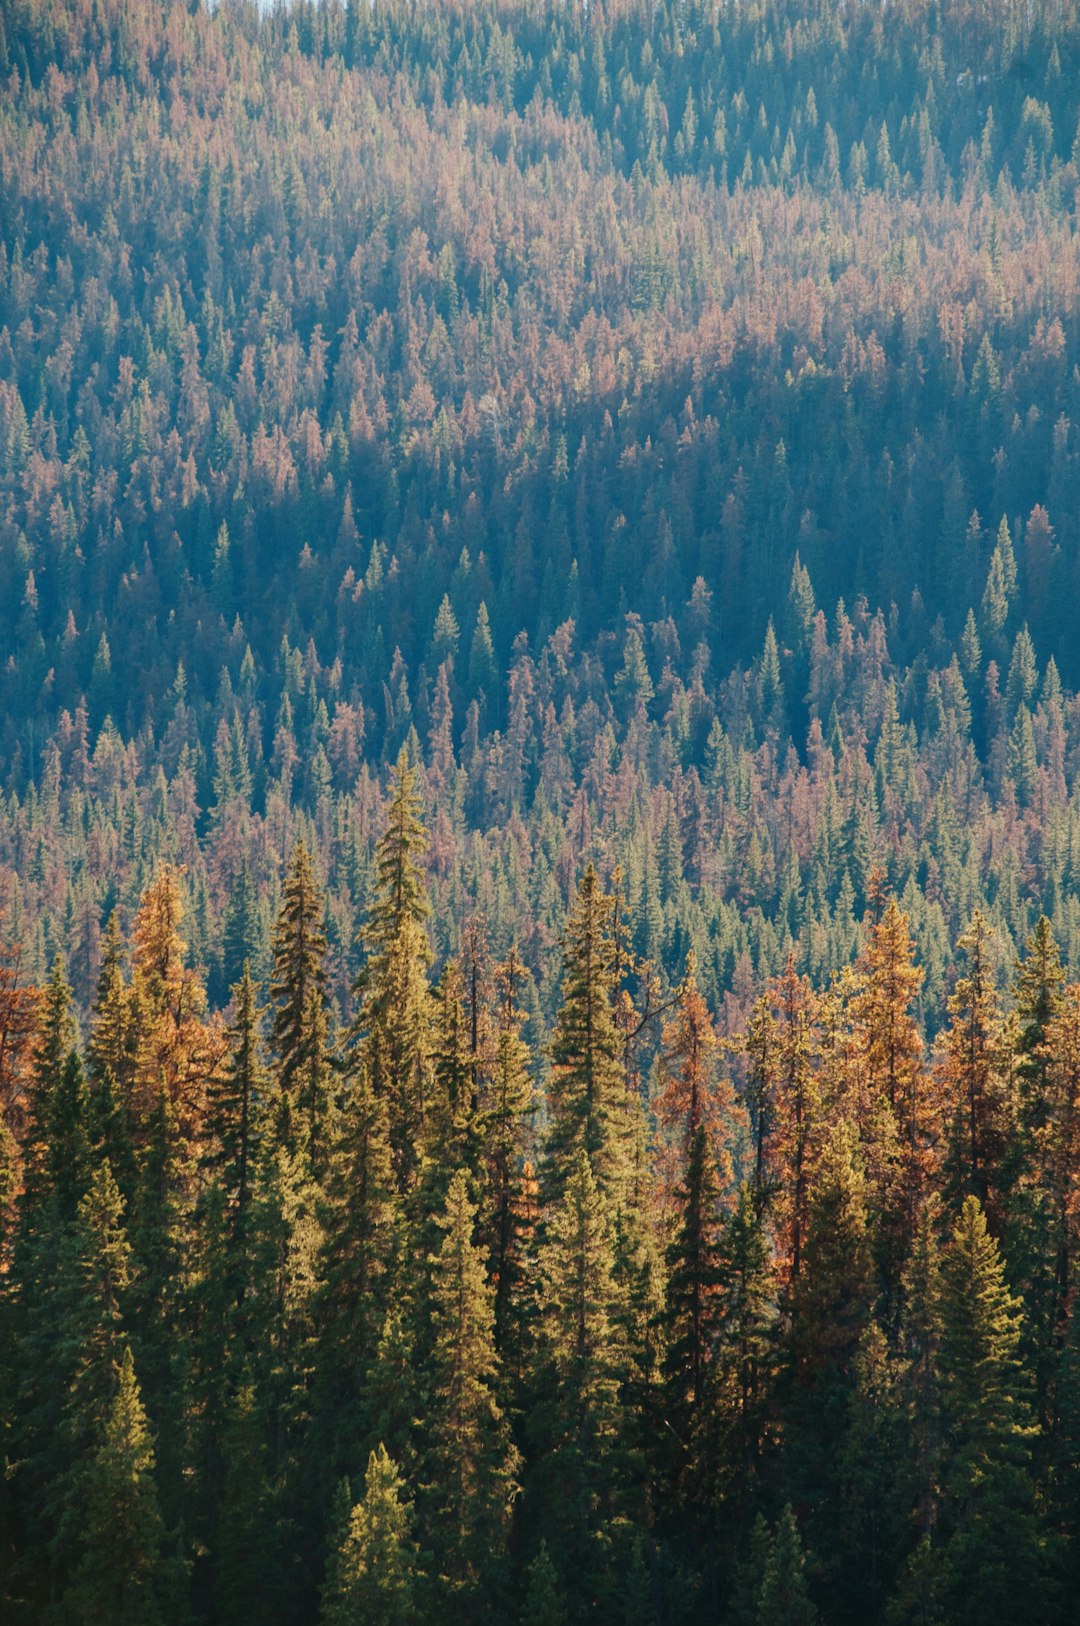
(539, 812)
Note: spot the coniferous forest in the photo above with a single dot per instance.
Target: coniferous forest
(539, 813)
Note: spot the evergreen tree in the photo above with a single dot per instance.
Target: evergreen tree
(298, 990)
(359, 1217)
(830, 1307)
(978, 1134)
(746, 1356)
(54, 1152)
(237, 1099)
(373, 1573)
(1037, 989)
(243, 940)
(586, 1099)
(873, 1461)
(690, 1097)
(784, 1599)
(894, 1109)
(986, 1486)
(112, 1046)
(470, 1461)
(72, 1347)
(504, 1219)
(119, 1577)
(920, 1351)
(542, 1605)
(582, 1477)
(692, 1323)
(393, 986)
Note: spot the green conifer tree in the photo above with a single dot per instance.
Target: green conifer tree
(504, 1221)
(111, 1050)
(298, 988)
(393, 1023)
(986, 1484)
(692, 1324)
(373, 1575)
(582, 1480)
(237, 1101)
(784, 1599)
(470, 1462)
(119, 1576)
(586, 1104)
(359, 1214)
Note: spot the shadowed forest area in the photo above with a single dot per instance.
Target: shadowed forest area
(539, 834)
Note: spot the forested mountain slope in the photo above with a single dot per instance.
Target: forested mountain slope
(539, 845)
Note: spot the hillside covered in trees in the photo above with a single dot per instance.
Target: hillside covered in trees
(539, 817)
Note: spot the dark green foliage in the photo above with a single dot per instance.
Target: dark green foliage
(298, 990)
(372, 1575)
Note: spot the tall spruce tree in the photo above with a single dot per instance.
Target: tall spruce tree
(586, 1096)
(112, 1045)
(299, 991)
(973, 1078)
(470, 1462)
(506, 1108)
(1037, 988)
(119, 1576)
(393, 1022)
(692, 1318)
(583, 1469)
(784, 1599)
(237, 1103)
(360, 1216)
(986, 1483)
(373, 1574)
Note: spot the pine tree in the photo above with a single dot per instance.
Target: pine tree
(586, 1103)
(470, 1462)
(692, 1323)
(504, 1221)
(246, 1557)
(920, 1332)
(1042, 1157)
(885, 1090)
(1037, 989)
(746, 1355)
(119, 1574)
(784, 1599)
(451, 1130)
(797, 1110)
(871, 1528)
(690, 1097)
(830, 1307)
(972, 1079)
(394, 996)
(243, 939)
(761, 1048)
(160, 1228)
(279, 1338)
(986, 1487)
(111, 1048)
(178, 1051)
(581, 1480)
(373, 1575)
(359, 1216)
(298, 991)
(72, 1348)
(68, 1156)
(237, 1097)
(54, 1114)
(217, 1279)
(542, 1606)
